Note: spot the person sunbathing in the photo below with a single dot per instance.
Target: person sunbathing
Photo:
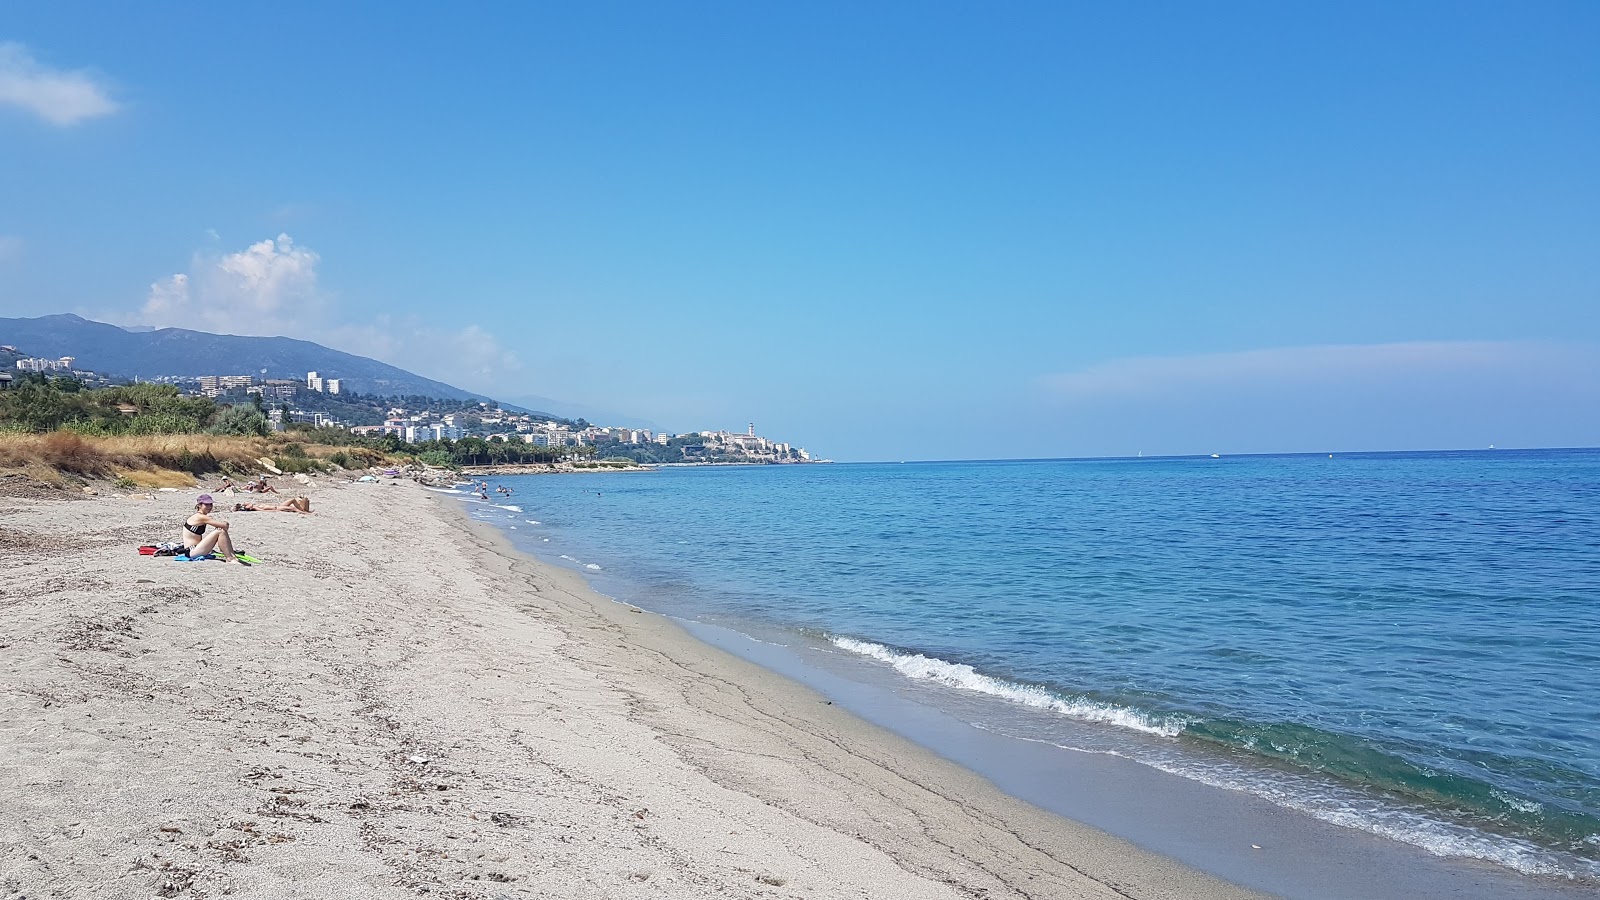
(300, 505)
(226, 485)
(197, 543)
(260, 486)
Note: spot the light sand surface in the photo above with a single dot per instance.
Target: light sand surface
(395, 704)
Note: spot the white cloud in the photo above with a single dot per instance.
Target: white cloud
(269, 287)
(1283, 366)
(272, 288)
(58, 96)
(168, 300)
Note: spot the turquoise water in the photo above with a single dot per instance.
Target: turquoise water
(1401, 643)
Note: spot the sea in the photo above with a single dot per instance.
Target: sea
(1402, 644)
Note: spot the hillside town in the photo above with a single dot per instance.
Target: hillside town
(322, 402)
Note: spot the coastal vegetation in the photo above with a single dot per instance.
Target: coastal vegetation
(153, 435)
(168, 460)
(37, 404)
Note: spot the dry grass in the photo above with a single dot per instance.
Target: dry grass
(158, 478)
(104, 457)
(155, 460)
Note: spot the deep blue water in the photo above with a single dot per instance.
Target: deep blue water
(1404, 643)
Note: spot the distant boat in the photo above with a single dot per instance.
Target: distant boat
(1216, 456)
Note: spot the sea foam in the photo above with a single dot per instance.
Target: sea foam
(964, 677)
(1346, 808)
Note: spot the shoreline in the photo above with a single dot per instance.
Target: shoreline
(548, 469)
(791, 709)
(392, 705)
(1204, 823)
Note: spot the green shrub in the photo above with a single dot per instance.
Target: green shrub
(242, 420)
(291, 465)
(340, 459)
(439, 458)
(166, 423)
(93, 428)
(124, 483)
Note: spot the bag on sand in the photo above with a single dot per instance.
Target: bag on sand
(165, 548)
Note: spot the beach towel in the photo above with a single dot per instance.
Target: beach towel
(246, 560)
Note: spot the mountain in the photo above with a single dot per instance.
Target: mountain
(108, 349)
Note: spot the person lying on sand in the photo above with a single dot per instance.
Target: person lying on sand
(260, 486)
(197, 543)
(293, 504)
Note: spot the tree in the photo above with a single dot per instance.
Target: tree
(245, 420)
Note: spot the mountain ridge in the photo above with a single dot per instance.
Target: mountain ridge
(109, 349)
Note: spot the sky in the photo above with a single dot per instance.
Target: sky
(877, 231)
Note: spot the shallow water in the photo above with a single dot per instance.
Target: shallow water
(1400, 643)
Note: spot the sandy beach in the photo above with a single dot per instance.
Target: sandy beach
(396, 704)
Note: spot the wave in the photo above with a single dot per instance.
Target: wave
(960, 675)
(1520, 832)
(1348, 808)
(509, 507)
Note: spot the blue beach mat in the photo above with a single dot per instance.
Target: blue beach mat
(245, 558)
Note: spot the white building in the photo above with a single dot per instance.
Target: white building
(333, 385)
(313, 382)
(319, 420)
(212, 385)
(436, 431)
(278, 389)
(64, 364)
(416, 434)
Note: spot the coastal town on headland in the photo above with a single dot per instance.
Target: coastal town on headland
(465, 429)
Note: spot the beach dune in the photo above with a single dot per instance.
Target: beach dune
(394, 704)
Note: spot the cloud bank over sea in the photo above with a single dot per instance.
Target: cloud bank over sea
(1399, 395)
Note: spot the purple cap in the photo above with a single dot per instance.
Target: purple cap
(204, 498)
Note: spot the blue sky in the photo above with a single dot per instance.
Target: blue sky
(880, 231)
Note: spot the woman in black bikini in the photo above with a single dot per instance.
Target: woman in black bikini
(195, 540)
